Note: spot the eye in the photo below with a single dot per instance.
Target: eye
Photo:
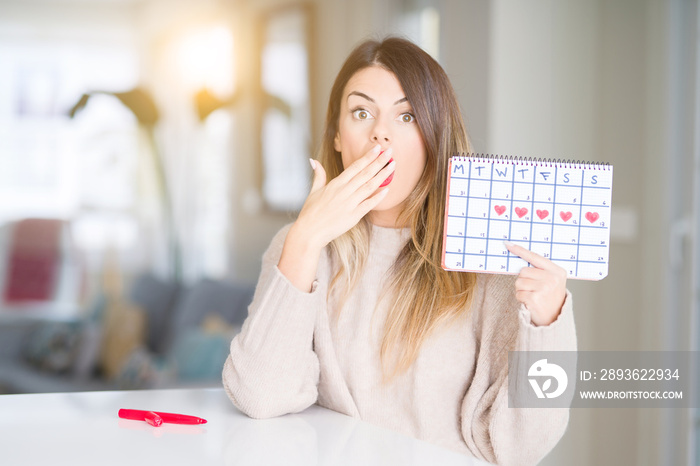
(361, 114)
(407, 118)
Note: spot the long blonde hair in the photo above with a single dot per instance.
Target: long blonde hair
(425, 296)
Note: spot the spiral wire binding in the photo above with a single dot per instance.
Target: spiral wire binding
(531, 161)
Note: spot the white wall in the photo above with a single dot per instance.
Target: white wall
(599, 80)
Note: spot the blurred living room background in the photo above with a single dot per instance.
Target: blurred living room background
(150, 149)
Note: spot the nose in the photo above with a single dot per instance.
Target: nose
(380, 132)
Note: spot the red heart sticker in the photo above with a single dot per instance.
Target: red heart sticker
(499, 209)
(542, 214)
(592, 216)
(520, 211)
(565, 216)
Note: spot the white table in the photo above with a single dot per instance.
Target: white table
(83, 429)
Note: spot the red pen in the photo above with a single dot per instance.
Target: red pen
(171, 418)
(153, 419)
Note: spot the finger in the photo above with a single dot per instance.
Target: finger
(360, 164)
(319, 176)
(546, 279)
(371, 171)
(366, 190)
(533, 273)
(371, 202)
(524, 297)
(532, 257)
(526, 284)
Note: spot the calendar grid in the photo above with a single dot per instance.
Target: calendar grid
(562, 203)
(488, 227)
(532, 205)
(466, 217)
(554, 205)
(580, 222)
(510, 225)
(555, 243)
(486, 205)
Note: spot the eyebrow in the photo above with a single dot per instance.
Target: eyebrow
(365, 96)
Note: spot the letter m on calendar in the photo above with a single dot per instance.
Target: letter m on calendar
(560, 210)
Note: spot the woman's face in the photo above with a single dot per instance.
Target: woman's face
(374, 110)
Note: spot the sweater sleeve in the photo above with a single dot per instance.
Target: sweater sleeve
(492, 430)
(272, 369)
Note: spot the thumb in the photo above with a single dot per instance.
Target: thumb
(319, 176)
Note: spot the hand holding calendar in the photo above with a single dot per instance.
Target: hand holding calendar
(541, 288)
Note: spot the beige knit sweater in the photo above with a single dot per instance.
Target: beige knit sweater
(289, 356)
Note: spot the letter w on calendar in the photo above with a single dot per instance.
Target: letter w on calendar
(560, 210)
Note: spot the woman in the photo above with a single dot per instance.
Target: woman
(352, 309)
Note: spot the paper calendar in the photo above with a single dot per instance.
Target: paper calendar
(558, 209)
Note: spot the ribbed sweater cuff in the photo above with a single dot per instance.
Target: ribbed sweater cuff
(560, 335)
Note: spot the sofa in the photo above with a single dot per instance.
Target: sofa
(158, 335)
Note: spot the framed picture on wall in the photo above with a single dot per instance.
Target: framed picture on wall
(285, 126)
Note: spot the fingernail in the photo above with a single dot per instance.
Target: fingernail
(508, 243)
(391, 164)
(313, 164)
(389, 151)
(377, 148)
